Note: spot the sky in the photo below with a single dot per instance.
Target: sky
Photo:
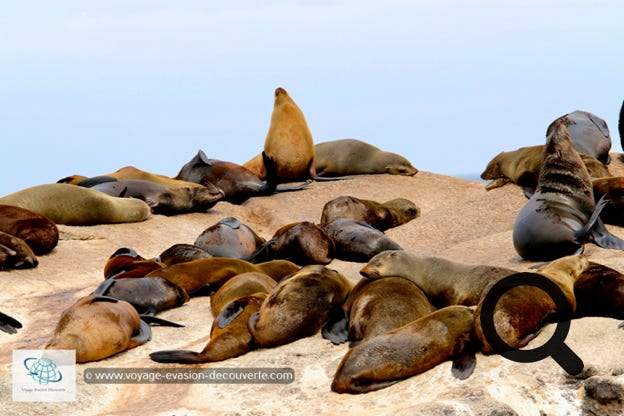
(90, 87)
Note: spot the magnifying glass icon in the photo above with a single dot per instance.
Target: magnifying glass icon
(555, 347)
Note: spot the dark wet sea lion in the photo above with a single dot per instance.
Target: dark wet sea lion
(39, 232)
(352, 157)
(358, 241)
(414, 348)
(562, 215)
(75, 205)
(612, 188)
(240, 286)
(229, 238)
(182, 252)
(15, 253)
(113, 188)
(445, 282)
(8, 324)
(589, 134)
(380, 215)
(300, 242)
(298, 306)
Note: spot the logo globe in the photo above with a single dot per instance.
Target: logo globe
(43, 370)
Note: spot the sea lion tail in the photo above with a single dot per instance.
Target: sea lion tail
(177, 356)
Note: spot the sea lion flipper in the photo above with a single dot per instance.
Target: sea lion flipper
(104, 287)
(603, 238)
(336, 329)
(149, 319)
(621, 325)
(176, 356)
(290, 188)
(100, 298)
(231, 311)
(593, 222)
(143, 336)
(497, 183)
(464, 365)
(9, 324)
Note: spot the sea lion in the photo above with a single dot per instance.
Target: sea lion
(375, 307)
(358, 241)
(148, 295)
(205, 276)
(588, 132)
(445, 282)
(599, 291)
(75, 205)
(353, 157)
(298, 306)
(98, 327)
(300, 242)
(72, 179)
(240, 286)
(522, 167)
(521, 311)
(229, 238)
(237, 182)
(229, 335)
(180, 253)
(39, 232)
(15, 253)
(115, 187)
(289, 143)
(8, 324)
(126, 262)
(562, 215)
(382, 216)
(414, 348)
(612, 189)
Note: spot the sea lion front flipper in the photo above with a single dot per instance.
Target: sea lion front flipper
(8, 324)
(176, 356)
(464, 365)
(593, 222)
(149, 319)
(104, 299)
(231, 311)
(497, 183)
(336, 329)
(104, 287)
(143, 336)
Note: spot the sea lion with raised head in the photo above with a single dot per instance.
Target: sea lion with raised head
(229, 238)
(411, 349)
(382, 216)
(353, 157)
(39, 232)
(561, 216)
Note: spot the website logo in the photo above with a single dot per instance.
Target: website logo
(44, 375)
(43, 370)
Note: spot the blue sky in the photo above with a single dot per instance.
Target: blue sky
(90, 87)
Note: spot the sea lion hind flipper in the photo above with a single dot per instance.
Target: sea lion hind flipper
(231, 311)
(464, 365)
(143, 336)
(336, 328)
(603, 238)
(150, 319)
(290, 188)
(594, 223)
(8, 324)
(176, 356)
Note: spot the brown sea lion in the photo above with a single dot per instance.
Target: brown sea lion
(15, 253)
(39, 232)
(612, 189)
(300, 242)
(98, 327)
(205, 276)
(588, 132)
(298, 306)
(378, 306)
(126, 262)
(180, 253)
(148, 295)
(8, 324)
(382, 216)
(562, 215)
(75, 205)
(414, 348)
(237, 182)
(599, 291)
(521, 311)
(240, 286)
(445, 282)
(229, 238)
(229, 335)
(522, 167)
(352, 157)
(358, 241)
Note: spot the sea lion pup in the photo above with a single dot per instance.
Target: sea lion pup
(126, 262)
(588, 132)
(180, 253)
(358, 241)
(148, 295)
(237, 182)
(240, 286)
(521, 311)
(599, 291)
(300, 242)
(377, 306)
(98, 327)
(39, 232)
(289, 143)
(353, 157)
(522, 167)
(562, 215)
(15, 253)
(445, 282)
(75, 205)
(229, 335)
(380, 215)
(229, 238)
(411, 349)
(8, 324)
(298, 306)
(205, 276)
(612, 189)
